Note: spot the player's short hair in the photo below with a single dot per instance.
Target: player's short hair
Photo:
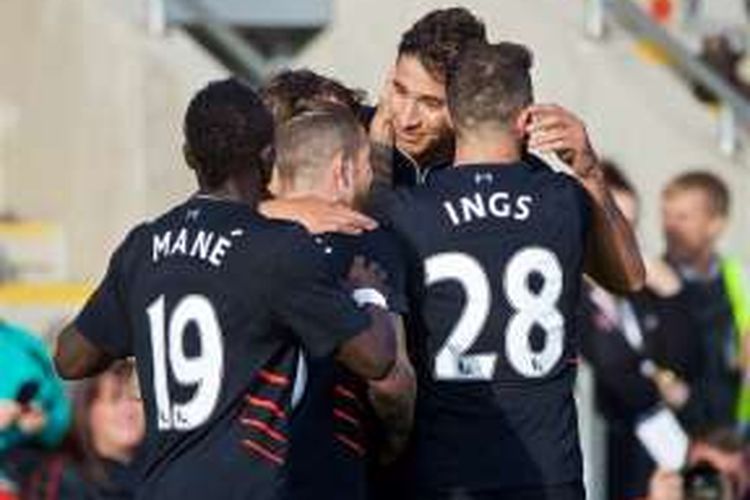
(310, 140)
(714, 188)
(438, 38)
(489, 84)
(292, 92)
(615, 178)
(227, 129)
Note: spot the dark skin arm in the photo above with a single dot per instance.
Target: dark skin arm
(372, 353)
(393, 400)
(613, 258)
(76, 357)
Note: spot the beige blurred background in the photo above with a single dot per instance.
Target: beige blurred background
(91, 105)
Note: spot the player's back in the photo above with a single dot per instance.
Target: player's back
(499, 250)
(334, 421)
(203, 287)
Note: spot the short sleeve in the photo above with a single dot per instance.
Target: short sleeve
(104, 320)
(308, 299)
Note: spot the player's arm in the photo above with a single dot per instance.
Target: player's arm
(317, 215)
(613, 258)
(326, 318)
(393, 399)
(372, 353)
(76, 357)
(100, 333)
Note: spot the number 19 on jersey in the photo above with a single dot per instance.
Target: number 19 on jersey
(204, 371)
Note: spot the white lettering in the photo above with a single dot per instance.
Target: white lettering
(202, 245)
(180, 243)
(451, 213)
(502, 210)
(475, 207)
(161, 245)
(523, 205)
(219, 251)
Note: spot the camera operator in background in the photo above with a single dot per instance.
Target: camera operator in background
(717, 470)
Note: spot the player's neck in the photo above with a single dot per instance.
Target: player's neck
(239, 192)
(301, 192)
(487, 148)
(440, 153)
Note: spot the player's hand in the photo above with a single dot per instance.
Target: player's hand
(381, 126)
(318, 216)
(665, 485)
(553, 129)
(364, 274)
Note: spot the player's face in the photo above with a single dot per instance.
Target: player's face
(116, 417)
(420, 114)
(690, 228)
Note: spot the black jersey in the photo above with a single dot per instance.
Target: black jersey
(198, 297)
(497, 254)
(334, 428)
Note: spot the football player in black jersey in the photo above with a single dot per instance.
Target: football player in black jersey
(413, 136)
(215, 301)
(501, 245)
(341, 417)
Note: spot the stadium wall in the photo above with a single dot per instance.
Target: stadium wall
(91, 105)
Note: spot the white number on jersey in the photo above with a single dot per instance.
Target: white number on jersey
(530, 308)
(205, 371)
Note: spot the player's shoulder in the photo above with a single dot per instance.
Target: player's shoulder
(554, 173)
(293, 245)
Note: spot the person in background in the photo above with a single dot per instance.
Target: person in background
(643, 355)
(695, 210)
(109, 428)
(97, 460)
(717, 469)
(34, 411)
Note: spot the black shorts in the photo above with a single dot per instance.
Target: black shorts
(571, 491)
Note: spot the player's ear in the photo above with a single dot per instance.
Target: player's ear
(341, 172)
(189, 157)
(522, 122)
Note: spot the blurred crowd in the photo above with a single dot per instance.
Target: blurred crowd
(671, 362)
(59, 443)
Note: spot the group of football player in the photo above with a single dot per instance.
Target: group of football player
(366, 302)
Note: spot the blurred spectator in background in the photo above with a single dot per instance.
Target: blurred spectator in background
(34, 410)
(98, 461)
(109, 427)
(717, 469)
(644, 358)
(695, 208)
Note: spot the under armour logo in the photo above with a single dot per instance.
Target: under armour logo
(192, 214)
(480, 178)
